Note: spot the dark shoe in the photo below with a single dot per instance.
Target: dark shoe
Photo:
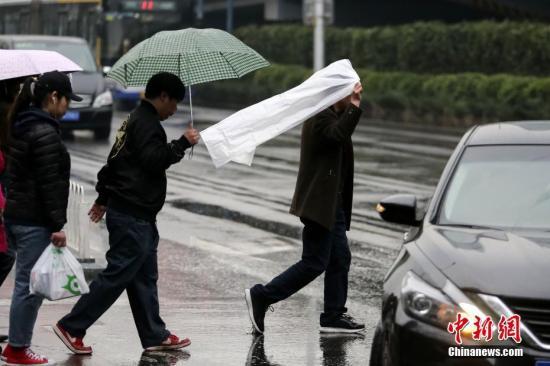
(75, 344)
(256, 310)
(342, 323)
(3, 338)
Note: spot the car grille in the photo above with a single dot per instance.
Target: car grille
(85, 102)
(535, 314)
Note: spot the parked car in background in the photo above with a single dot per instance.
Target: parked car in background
(482, 248)
(124, 99)
(127, 98)
(95, 111)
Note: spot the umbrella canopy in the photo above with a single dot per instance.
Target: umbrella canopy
(195, 55)
(21, 63)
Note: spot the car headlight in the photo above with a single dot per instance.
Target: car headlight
(103, 99)
(437, 307)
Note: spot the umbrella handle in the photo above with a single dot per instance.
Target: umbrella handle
(191, 123)
(191, 105)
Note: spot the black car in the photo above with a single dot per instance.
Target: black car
(95, 111)
(481, 247)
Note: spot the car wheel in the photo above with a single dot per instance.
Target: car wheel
(102, 133)
(380, 351)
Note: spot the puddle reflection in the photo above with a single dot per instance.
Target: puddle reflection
(334, 350)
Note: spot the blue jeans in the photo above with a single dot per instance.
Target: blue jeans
(131, 266)
(29, 242)
(323, 251)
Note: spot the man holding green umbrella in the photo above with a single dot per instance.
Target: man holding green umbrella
(132, 190)
(132, 186)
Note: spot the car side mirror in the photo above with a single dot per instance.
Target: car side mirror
(399, 209)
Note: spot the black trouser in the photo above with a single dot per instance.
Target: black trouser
(323, 251)
(6, 263)
(131, 266)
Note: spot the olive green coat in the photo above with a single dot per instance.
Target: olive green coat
(326, 143)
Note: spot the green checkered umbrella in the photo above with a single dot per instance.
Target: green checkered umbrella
(195, 55)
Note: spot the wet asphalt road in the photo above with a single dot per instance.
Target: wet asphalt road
(225, 230)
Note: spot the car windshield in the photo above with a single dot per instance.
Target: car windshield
(504, 186)
(77, 52)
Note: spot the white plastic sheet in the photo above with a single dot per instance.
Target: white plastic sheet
(57, 275)
(236, 137)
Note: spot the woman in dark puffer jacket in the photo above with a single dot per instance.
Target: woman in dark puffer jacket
(8, 91)
(38, 174)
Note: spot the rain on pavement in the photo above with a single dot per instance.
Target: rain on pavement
(223, 230)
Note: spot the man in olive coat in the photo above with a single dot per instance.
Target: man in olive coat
(323, 201)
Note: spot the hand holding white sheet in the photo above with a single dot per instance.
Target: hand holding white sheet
(236, 137)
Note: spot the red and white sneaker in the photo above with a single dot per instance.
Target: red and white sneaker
(22, 356)
(75, 344)
(171, 343)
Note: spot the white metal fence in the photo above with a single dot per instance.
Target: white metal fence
(77, 229)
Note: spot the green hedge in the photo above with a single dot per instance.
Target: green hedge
(449, 99)
(425, 47)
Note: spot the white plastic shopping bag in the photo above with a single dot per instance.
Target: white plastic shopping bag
(57, 275)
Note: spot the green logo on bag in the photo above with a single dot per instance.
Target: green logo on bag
(72, 285)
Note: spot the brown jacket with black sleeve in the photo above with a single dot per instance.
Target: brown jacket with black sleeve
(326, 167)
